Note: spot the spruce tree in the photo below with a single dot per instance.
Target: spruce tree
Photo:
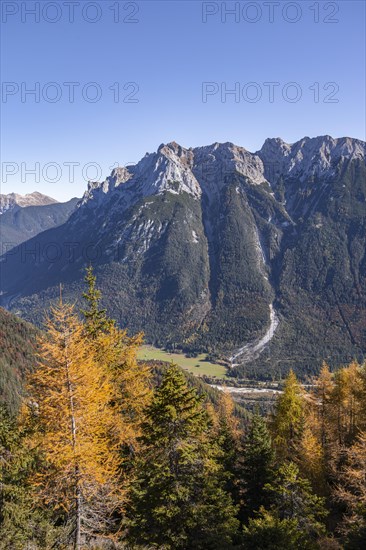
(294, 519)
(178, 500)
(227, 433)
(267, 531)
(96, 319)
(292, 498)
(22, 524)
(257, 465)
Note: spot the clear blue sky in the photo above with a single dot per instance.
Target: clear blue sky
(169, 52)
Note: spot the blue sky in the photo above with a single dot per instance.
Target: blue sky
(312, 51)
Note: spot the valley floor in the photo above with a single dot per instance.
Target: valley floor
(198, 365)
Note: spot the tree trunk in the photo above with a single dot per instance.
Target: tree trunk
(77, 536)
(77, 544)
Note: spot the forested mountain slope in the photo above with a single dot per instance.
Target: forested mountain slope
(256, 257)
(20, 223)
(17, 357)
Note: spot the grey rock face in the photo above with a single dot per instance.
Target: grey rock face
(220, 249)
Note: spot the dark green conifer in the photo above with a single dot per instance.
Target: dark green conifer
(267, 531)
(257, 465)
(96, 319)
(293, 498)
(294, 519)
(178, 499)
(22, 523)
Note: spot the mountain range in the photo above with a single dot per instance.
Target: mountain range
(14, 200)
(258, 258)
(23, 217)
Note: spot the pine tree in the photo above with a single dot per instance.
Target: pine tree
(294, 520)
(80, 430)
(178, 499)
(288, 419)
(257, 465)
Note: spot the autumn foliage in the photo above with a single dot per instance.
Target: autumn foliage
(80, 430)
(103, 455)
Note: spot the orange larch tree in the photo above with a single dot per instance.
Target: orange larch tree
(75, 398)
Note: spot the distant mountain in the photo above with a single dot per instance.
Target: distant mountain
(24, 217)
(13, 200)
(259, 257)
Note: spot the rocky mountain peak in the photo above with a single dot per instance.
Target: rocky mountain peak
(247, 266)
(308, 157)
(174, 147)
(176, 169)
(168, 170)
(119, 175)
(214, 163)
(14, 200)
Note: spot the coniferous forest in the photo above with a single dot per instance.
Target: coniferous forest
(104, 452)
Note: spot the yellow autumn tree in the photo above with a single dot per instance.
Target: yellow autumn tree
(323, 391)
(362, 396)
(226, 410)
(309, 453)
(75, 399)
(351, 492)
(346, 403)
(288, 418)
(352, 403)
(313, 447)
(117, 352)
